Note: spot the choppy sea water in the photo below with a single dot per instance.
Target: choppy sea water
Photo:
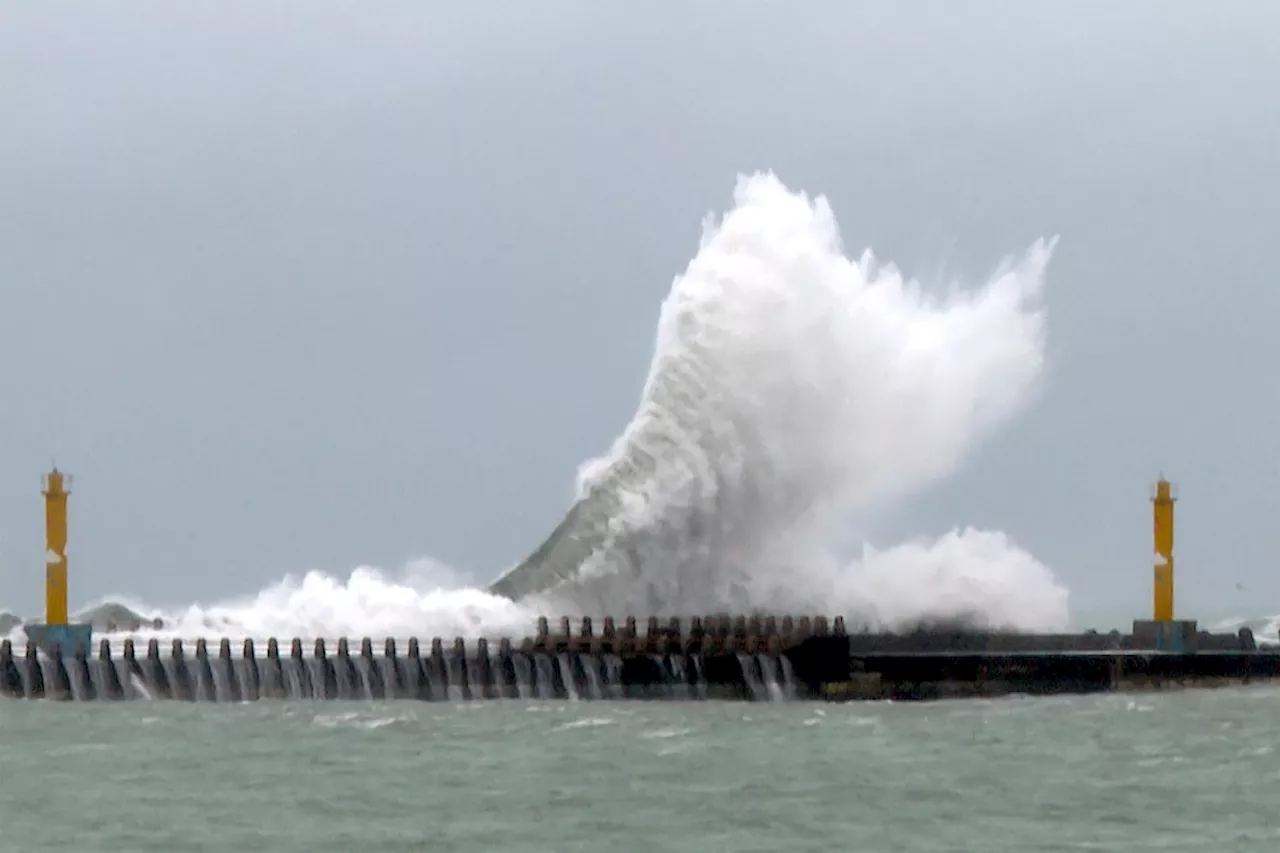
(1175, 771)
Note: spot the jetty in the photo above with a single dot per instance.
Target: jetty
(743, 657)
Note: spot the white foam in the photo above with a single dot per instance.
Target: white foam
(796, 393)
(424, 599)
(1266, 630)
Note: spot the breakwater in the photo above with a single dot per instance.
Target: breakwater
(733, 658)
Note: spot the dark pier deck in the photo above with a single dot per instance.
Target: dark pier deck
(710, 657)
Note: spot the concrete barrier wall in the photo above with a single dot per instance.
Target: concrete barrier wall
(456, 672)
(711, 657)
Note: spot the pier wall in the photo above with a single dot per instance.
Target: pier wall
(711, 657)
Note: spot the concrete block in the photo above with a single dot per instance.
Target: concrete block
(1177, 635)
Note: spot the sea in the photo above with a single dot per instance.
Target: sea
(1194, 770)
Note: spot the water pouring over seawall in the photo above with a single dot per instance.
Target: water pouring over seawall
(663, 662)
(712, 657)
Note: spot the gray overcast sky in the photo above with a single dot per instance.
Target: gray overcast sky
(318, 284)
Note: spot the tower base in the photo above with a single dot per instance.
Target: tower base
(1175, 635)
(66, 637)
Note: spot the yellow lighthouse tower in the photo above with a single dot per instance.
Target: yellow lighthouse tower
(1162, 632)
(57, 633)
(1162, 519)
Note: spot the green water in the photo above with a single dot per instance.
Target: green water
(1190, 771)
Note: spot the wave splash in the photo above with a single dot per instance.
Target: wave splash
(424, 599)
(794, 393)
(795, 396)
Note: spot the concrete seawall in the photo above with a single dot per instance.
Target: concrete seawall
(722, 657)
